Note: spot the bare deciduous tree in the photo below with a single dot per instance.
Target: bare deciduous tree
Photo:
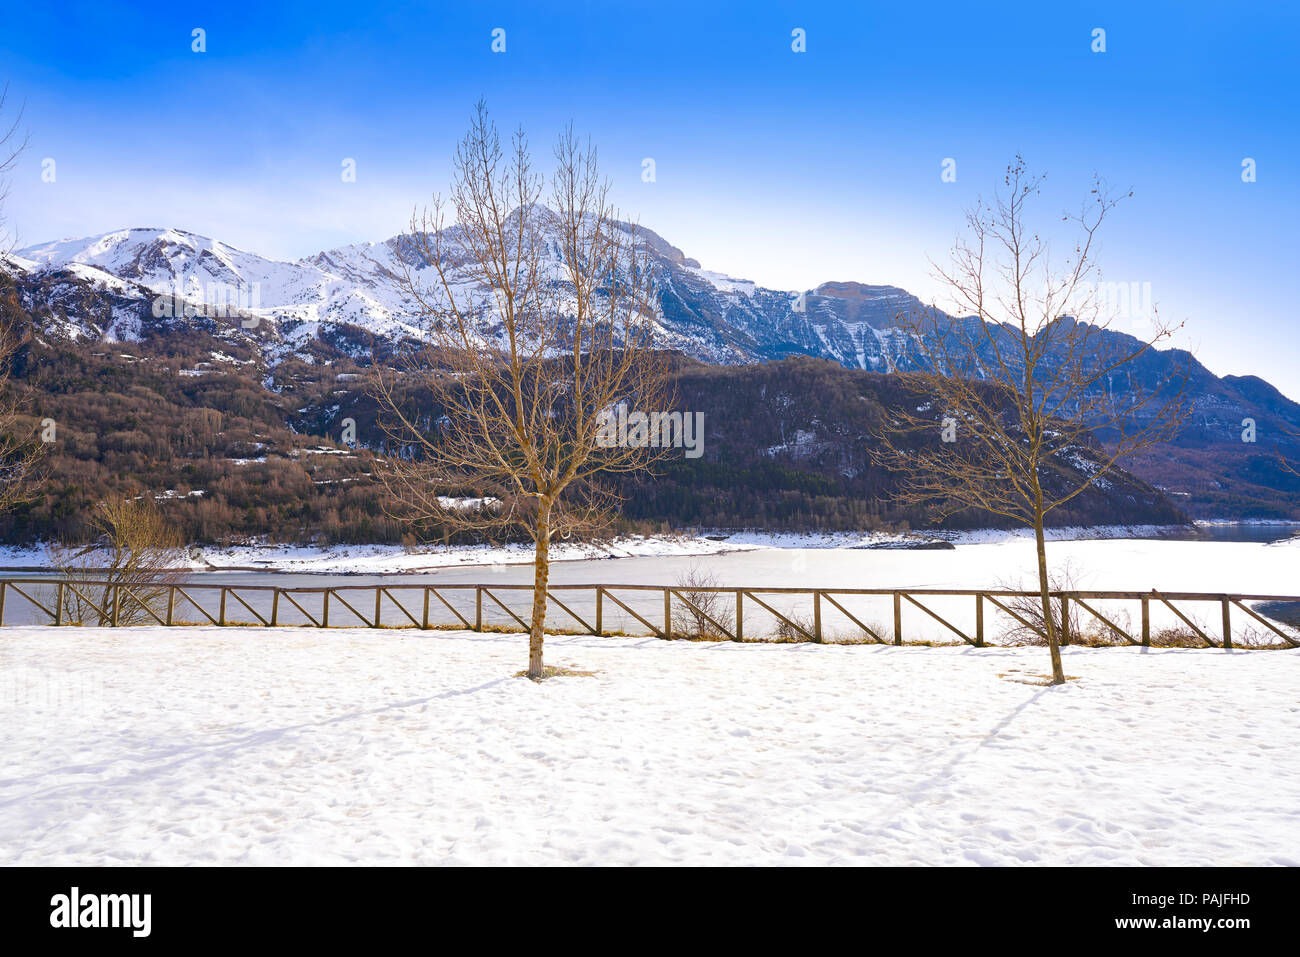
(20, 455)
(1029, 380)
(518, 379)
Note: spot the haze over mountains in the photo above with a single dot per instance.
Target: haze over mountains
(353, 300)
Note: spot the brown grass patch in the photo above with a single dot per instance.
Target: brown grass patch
(1031, 678)
(557, 671)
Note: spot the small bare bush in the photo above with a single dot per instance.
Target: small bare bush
(1257, 638)
(708, 605)
(1084, 628)
(1030, 608)
(798, 628)
(852, 635)
(1180, 636)
(1099, 633)
(136, 556)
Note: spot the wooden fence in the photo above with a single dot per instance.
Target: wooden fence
(658, 609)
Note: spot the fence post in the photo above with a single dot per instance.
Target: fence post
(275, 607)
(478, 608)
(1065, 620)
(4, 587)
(325, 610)
(740, 614)
(58, 608)
(979, 621)
(817, 616)
(1227, 623)
(221, 619)
(117, 603)
(600, 611)
(1146, 622)
(379, 593)
(171, 605)
(425, 620)
(668, 613)
(898, 618)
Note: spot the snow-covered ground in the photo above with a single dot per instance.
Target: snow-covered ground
(252, 746)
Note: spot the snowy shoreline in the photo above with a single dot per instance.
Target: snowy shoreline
(397, 559)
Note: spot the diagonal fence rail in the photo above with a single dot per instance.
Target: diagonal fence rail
(852, 615)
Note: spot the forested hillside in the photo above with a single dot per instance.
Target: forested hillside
(234, 451)
(788, 446)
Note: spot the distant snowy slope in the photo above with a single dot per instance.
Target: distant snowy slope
(173, 262)
(705, 314)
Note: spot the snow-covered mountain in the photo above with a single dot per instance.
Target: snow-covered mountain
(355, 299)
(200, 270)
(707, 315)
(352, 301)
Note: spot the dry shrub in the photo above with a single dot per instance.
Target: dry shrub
(1030, 608)
(787, 631)
(708, 604)
(856, 636)
(1179, 636)
(136, 550)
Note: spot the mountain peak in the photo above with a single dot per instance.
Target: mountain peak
(859, 291)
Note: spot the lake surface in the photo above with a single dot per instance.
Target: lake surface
(1239, 559)
(1236, 533)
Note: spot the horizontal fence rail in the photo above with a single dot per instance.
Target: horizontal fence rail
(849, 615)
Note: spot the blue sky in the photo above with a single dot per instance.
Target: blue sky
(787, 168)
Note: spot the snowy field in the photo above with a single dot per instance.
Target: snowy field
(251, 746)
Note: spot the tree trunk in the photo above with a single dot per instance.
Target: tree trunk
(1049, 621)
(541, 579)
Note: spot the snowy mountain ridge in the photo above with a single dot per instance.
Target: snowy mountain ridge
(705, 314)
